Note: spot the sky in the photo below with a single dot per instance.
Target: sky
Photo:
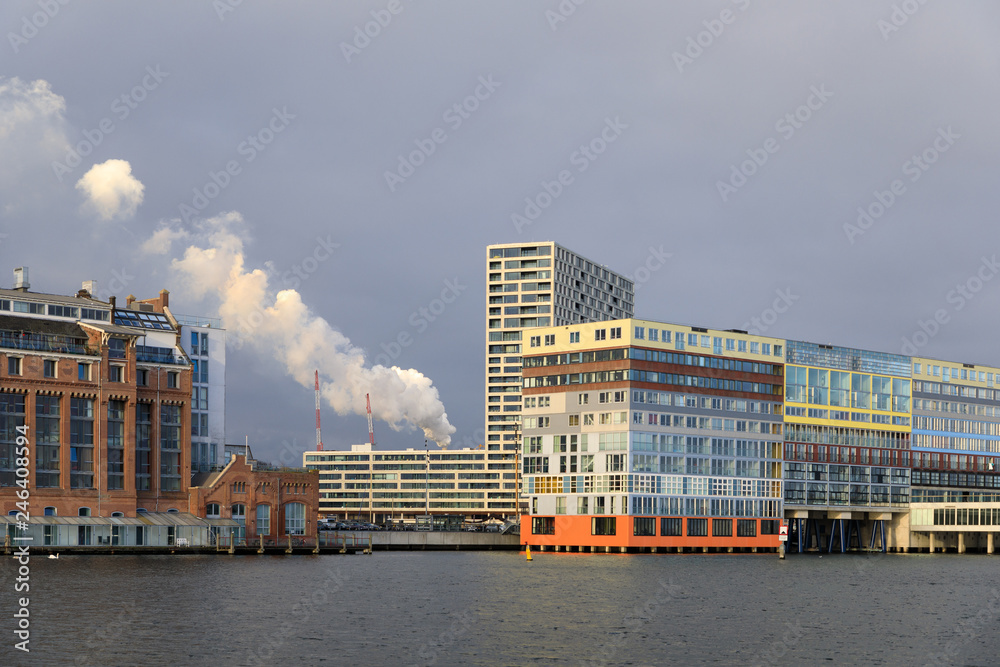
(327, 176)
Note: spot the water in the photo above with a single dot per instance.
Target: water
(494, 608)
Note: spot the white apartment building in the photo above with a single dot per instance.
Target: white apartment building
(537, 285)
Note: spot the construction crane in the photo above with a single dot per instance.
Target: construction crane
(319, 437)
(371, 427)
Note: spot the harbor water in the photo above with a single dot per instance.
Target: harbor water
(496, 608)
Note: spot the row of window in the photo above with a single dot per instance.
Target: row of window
(957, 407)
(81, 443)
(669, 526)
(818, 386)
(116, 372)
(73, 312)
(947, 374)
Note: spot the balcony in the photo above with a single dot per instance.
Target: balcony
(37, 342)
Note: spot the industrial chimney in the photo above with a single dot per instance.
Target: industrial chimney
(21, 278)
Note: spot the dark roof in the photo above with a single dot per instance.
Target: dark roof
(42, 326)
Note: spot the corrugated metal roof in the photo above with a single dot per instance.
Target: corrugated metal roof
(144, 519)
(83, 301)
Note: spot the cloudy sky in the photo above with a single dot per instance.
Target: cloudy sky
(836, 156)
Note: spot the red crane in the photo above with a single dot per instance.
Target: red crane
(319, 438)
(371, 428)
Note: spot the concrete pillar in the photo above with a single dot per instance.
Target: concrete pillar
(729, 550)
(704, 550)
(622, 549)
(989, 543)
(961, 543)
(930, 549)
(652, 550)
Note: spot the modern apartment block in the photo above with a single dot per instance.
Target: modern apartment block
(398, 484)
(537, 285)
(646, 435)
(204, 341)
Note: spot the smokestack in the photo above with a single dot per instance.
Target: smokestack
(90, 287)
(21, 278)
(319, 437)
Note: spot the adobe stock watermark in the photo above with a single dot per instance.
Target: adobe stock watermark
(364, 34)
(563, 11)
(30, 26)
(581, 158)
(899, 17)
(301, 271)
(248, 149)
(633, 623)
(420, 320)
(431, 650)
(914, 168)
(122, 107)
(968, 629)
(455, 116)
(777, 649)
(761, 323)
(714, 28)
(958, 298)
(655, 261)
(786, 126)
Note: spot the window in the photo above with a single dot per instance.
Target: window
(543, 525)
(574, 420)
(238, 512)
(550, 339)
(116, 445)
(13, 365)
(616, 332)
(81, 440)
(212, 511)
(83, 371)
(561, 500)
(142, 377)
(640, 333)
(722, 527)
(670, 527)
(49, 368)
(263, 519)
(535, 341)
(602, 525)
(47, 426)
(116, 373)
(143, 446)
(170, 448)
(83, 511)
(644, 526)
(50, 511)
(769, 526)
(746, 528)
(172, 380)
(574, 337)
(295, 519)
(697, 527)
(583, 399)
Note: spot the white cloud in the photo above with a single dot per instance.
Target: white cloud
(32, 136)
(161, 240)
(111, 190)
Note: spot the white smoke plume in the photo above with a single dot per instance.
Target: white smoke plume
(282, 325)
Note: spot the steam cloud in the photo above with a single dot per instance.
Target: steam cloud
(284, 326)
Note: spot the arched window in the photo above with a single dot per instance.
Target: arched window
(212, 511)
(50, 511)
(83, 511)
(173, 510)
(117, 514)
(140, 510)
(295, 519)
(263, 519)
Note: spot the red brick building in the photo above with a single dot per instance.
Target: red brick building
(105, 396)
(273, 504)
